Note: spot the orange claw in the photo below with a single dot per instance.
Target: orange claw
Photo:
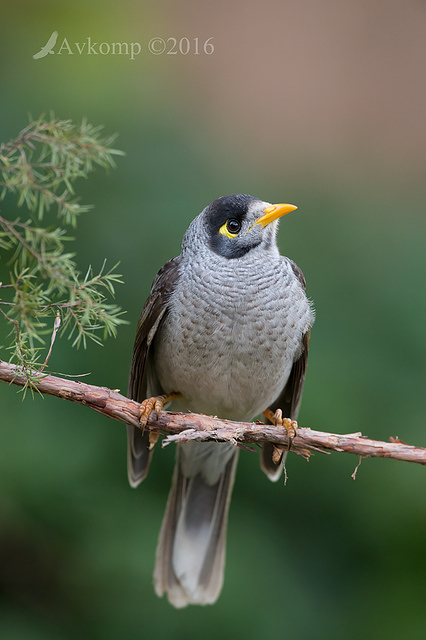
(153, 437)
(289, 425)
(145, 410)
(156, 403)
(277, 454)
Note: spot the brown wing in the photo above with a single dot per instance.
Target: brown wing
(143, 381)
(291, 396)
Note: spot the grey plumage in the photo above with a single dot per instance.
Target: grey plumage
(226, 325)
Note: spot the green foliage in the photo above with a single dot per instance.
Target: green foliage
(45, 292)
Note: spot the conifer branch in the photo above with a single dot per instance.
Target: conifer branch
(44, 285)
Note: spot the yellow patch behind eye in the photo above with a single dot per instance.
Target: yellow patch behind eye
(224, 231)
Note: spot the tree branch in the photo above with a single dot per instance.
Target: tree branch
(181, 427)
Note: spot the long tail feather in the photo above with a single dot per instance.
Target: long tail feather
(190, 555)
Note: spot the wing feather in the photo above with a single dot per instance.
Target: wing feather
(291, 396)
(143, 382)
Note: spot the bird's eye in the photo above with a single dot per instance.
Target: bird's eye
(231, 228)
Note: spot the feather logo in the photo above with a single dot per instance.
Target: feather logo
(48, 47)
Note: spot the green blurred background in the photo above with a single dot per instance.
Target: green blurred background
(316, 103)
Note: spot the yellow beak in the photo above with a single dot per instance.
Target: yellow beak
(273, 212)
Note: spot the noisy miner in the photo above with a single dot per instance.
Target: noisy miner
(224, 332)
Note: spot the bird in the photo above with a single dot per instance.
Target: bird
(224, 332)
(48, 47)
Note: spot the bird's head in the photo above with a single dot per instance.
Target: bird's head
(236, 224)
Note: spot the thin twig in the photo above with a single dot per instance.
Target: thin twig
(10, 226)
(56, 326)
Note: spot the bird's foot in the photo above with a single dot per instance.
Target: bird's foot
(156, 404)
(289, 425)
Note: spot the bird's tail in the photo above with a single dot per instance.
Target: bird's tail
(190, 556)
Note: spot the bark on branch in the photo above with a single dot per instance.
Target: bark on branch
(180, 427)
